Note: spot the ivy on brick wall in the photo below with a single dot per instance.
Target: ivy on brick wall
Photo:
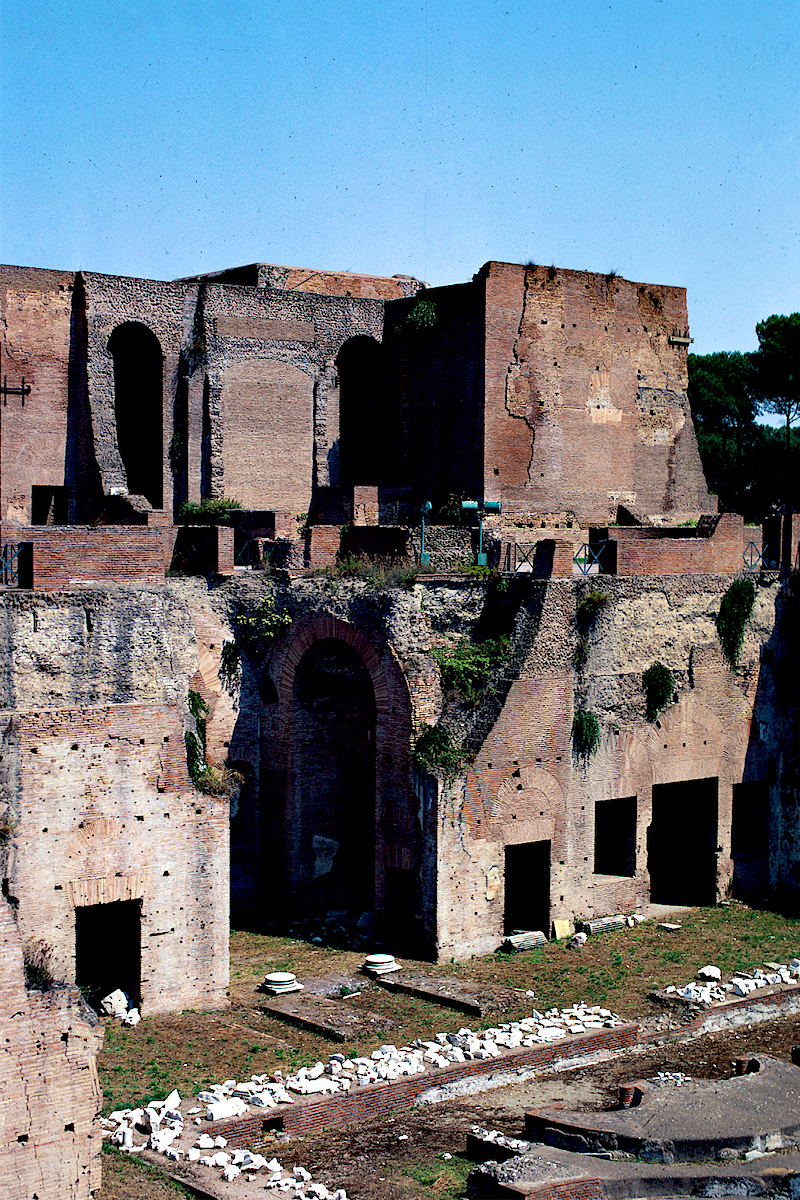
(465, 667)
(435, 751)
(734, 613)
(206, 777)
(585, 733)
(659, 686)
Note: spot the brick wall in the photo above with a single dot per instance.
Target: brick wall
(50, 1098)
(64, 555)
(660, 552)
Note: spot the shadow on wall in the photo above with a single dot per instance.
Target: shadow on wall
(770, 873)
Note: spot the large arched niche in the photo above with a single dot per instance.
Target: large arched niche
(138, 408)
(349, 833)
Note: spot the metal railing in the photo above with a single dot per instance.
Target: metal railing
(752, 557)
(9, 565)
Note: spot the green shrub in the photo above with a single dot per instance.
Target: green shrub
(734, 613)
(208, 512)
(585, 733)
(229, 660)
(465, 666)
(263, 625)
(435, 750)
(422, 315)
(659, 685)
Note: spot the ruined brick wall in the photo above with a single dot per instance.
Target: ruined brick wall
(325, 283)
(525, 784)
(96, 790)
(35, 321)
(49, 1138)
(649, 552)
(78, 554)
(585, 396)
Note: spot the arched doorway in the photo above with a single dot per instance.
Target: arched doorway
(366, 441)
(330, 817)
(138, 407)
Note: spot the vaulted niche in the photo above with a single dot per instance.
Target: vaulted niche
(366, 439)
(138, 407)
(330, 817)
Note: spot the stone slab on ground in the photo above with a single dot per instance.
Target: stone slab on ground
(552, 1173)
(471, 998)
(334, 1019)
(756, 1111)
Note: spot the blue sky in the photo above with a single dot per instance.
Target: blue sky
(422, 137)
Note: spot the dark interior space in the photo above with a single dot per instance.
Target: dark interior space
(366, 438)
(330, 818)
(527, 887)
(49, 505)
(108, 950)
(750, 842)
(615, 836)
(138, 386)
(682, 843)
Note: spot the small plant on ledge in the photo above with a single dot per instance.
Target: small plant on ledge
(586, 613)
(212, 511)
(659, 685)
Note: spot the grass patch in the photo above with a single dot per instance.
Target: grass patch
(445, 1178)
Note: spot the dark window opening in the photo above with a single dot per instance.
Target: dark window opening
(682, 843)
(138, 407)
(108, 950)
(367, 440)
(615, 837)
(49, 505)
(527, 887)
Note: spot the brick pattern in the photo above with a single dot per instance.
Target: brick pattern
(50, 1097)
(66, 555)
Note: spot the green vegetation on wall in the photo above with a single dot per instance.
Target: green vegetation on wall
(465, 667)
(263, 625)
(435, 751)
(585, 733)
(208, 512)
(659, 685)
(205, 777)
(734, 613)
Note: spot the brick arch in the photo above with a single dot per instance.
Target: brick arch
(687, 742)
(621, 767)
(397, 837)
(388, 681)
(527, 806)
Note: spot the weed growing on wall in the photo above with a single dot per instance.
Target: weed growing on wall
(734, 613)
(435, 750)
(659, 685)
(422, 315)
(262, 626)
(465, 667)
(229, 663)
(585, 733)
(206, 777)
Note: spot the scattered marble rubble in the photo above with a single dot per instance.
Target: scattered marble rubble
(515, 1145)
(711, 990)
(116, 1004)
(163, 1123)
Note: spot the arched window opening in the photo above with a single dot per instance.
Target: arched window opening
(330, 819)
(138, 407)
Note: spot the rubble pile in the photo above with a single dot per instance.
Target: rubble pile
(515, 1145)
(162, 1122)
(709, 989)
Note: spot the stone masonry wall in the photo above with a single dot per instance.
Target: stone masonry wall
(50, 1098)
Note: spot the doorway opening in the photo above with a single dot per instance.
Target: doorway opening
(108, 950)
(615, 837)
(682, 843)
(527, 887)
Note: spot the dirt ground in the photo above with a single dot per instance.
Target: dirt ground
(402, 1157)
